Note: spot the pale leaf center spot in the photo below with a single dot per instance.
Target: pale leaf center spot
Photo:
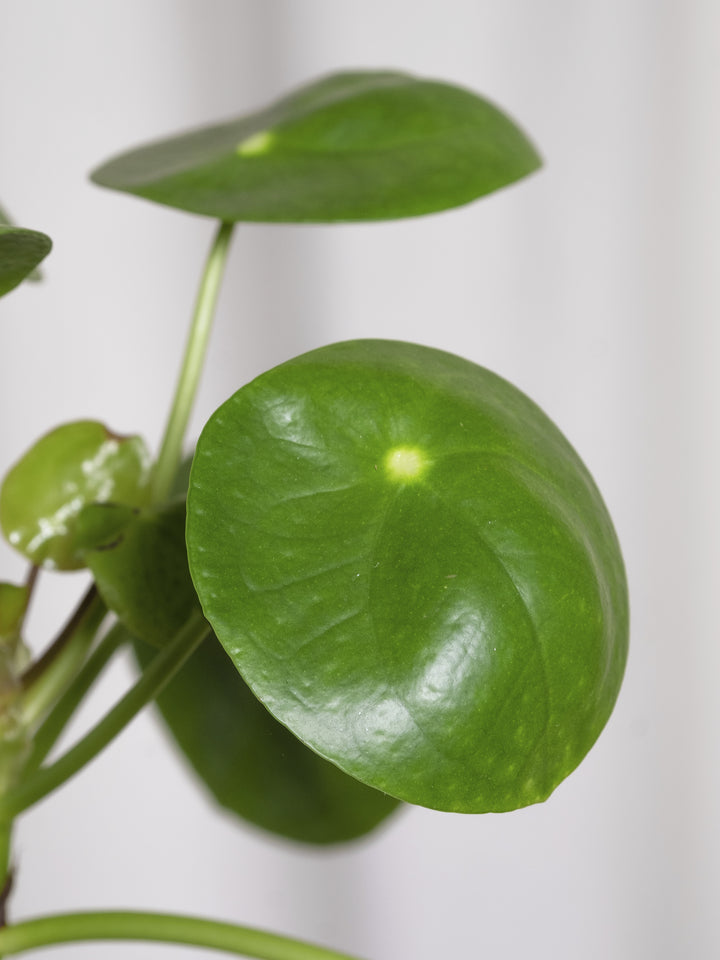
(257, 144)
(405, 463)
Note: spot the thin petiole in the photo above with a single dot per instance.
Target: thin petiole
(189, 378)
(47, 734)
(46, 679)
(158, 927)
(160, 671)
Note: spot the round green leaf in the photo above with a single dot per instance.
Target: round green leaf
(73, 465)
(251, 764)
(413, 571)
(20, 252)
(350, 146)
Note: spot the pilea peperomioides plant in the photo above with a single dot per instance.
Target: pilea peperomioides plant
(386, 575)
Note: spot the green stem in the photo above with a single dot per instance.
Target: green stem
(162, 668)
(48, 733)
(49, 676)
(166, 928)
(171, 447)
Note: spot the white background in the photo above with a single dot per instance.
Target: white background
(593, 286)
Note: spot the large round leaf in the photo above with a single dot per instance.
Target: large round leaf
(413, 570)
(21, 251)
(351, 146)
(251, 764)
(75, 464)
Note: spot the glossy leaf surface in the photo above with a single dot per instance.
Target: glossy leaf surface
(20, 252)
(73, 465)
(413, 570)
(252, 765)
(140, 568)
(351, 146)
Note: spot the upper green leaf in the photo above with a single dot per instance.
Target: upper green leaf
(413, 570)
(20, 252)
(351, 146)
(73, 465)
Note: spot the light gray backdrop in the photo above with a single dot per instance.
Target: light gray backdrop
(593, 286)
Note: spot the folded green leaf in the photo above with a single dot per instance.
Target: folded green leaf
(413, 571)
(351, 146)
(251, 764)
(73, 465)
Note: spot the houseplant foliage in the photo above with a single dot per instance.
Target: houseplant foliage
(20, 253)
(386, 576)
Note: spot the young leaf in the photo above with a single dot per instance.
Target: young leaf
(351, 146)
(20, 252)
(251, 764)
(413, 571)
(73, 465)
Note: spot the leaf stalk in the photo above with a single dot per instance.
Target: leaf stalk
(189, 377)
(51, 728)
(45, 680)
(152, 681)
(166, 928)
